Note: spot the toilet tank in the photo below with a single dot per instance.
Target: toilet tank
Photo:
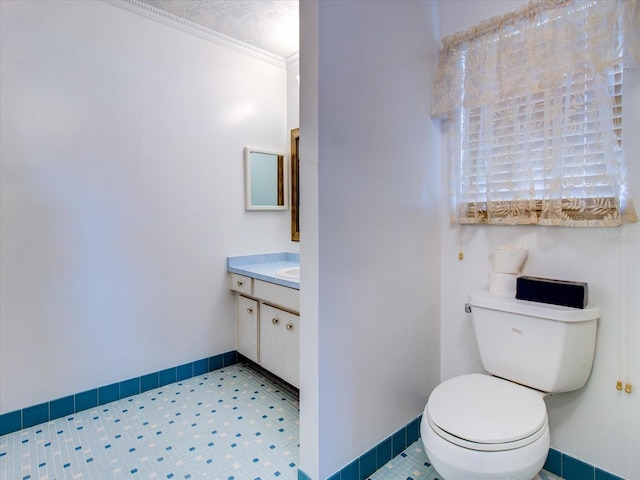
(543, 346)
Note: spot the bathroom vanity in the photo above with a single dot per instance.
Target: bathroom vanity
(268, 311)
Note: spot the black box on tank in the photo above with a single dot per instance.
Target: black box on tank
(556, 292)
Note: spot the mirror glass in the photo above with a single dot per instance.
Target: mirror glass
(265, 180)
(295, 185)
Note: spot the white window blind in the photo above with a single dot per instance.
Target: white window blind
(535, 136)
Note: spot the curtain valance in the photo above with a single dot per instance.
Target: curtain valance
(533, 48)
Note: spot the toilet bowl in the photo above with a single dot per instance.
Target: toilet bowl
(494, 426)
(478, 427)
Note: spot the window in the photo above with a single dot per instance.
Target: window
(534, 128)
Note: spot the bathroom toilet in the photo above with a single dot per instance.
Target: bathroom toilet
(495, 426)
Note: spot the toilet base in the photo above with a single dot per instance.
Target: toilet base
(453, 462)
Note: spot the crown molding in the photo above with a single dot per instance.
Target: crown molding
(293, 58)
(186, 26)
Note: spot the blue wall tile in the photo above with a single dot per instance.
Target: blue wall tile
(10, 422)
(62, 407)
(368, 463)
(230, 358)
(109, 393)
(167, 376)
(34, 415)
(184, 371)
(200, 367)
(383, 452)
(216, 362)
(553, 463)
(413, 431)
(335, 476)
(351, 471)
(602, 475)
(574, 469)
(148, 382)
(399, 441)
(129, 387)
(86, 400)
(303, 476)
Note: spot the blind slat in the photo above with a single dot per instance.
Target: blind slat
(512, 143)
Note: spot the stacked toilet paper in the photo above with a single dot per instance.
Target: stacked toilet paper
(505, 265)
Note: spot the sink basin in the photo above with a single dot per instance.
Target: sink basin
(290, 273)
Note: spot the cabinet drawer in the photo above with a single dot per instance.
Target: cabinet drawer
(242, 284)
(271, 293)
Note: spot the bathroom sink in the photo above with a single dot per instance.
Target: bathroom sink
(290, 273)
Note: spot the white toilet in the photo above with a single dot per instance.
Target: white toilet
(490, 427)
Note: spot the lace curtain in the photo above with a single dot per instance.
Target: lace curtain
(534, 107)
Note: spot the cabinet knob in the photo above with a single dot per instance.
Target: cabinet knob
(275, 321)
(289, 326)
(239, 283)
(249, 310)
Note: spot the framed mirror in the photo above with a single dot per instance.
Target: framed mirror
(265, 180)
(295, 185)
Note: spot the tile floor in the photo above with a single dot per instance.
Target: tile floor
(229, 424)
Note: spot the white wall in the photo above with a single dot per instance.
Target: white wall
(122, 194)
(371, 148)
(309, 249)
(598, 423)
(293, 92)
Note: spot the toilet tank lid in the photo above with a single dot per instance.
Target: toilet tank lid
(560, 313)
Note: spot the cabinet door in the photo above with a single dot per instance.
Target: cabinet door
(248, 328)
(279, 343)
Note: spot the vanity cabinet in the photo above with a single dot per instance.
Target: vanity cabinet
(241, 284)
(268, 325)
(279, 342)
(247, 318)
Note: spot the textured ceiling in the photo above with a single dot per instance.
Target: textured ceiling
(271, 25)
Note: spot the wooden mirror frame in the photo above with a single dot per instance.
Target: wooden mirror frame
(295, 185)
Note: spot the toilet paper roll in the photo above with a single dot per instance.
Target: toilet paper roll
(508, 259)
(503, 284)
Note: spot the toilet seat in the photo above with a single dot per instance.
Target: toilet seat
(485, 413)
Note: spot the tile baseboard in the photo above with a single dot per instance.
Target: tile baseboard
(570, 468)
(377, 456)
(36, 414)
(558, 463)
